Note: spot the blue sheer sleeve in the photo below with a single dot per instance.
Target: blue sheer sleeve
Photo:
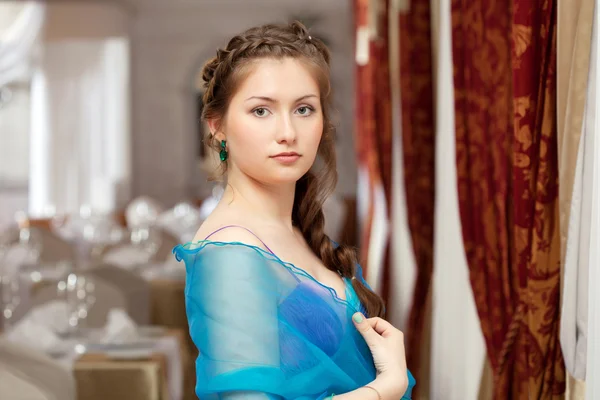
(231, 298)
(265, 329)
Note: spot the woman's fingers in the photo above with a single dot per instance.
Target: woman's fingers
(383, 327)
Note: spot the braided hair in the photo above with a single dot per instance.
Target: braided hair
(223, 74)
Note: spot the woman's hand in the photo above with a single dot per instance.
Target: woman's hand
(387, 347)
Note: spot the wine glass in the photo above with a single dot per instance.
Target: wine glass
(147, 239)
(10, 297)
(78, 290)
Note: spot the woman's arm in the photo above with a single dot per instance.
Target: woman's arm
(231, 304)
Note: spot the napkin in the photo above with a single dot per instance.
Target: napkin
(119, 328)
(52, 315)
(41, 326)
(33, 334)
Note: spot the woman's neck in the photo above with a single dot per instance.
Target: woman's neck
(271, 204)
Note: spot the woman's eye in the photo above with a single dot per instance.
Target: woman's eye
(304, 110)
(260, 112)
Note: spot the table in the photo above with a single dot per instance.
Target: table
(98, 377)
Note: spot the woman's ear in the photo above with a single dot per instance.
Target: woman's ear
(214, 125)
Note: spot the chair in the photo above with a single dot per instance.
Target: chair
(135, 289)
(26, 374)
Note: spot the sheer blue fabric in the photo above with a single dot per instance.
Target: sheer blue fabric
(266, 329)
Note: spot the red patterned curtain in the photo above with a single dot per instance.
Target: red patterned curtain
(484, 126)
(418, 144)
(535, 198)
(373, 118)
(374, 142)
(505, 93)
(364, 120)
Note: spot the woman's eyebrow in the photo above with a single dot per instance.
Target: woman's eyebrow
(271, 100)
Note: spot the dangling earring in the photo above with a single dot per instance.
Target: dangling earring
(223, 153)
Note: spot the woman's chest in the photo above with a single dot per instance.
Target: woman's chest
(307, 261)
(311, 312)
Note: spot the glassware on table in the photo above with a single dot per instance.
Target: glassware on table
(25, 250)
(10, 297)
(78, 290)
(147, 239)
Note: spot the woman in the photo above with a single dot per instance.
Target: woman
(276, 308)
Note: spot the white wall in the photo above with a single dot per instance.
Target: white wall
(86, 20)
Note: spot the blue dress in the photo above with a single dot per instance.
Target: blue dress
(266, 329)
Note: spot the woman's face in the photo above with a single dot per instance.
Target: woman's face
(274, 122)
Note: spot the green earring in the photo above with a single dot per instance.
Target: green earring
(223, 153)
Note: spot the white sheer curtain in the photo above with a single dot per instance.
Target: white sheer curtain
(574, 313)
(18, 40)
(404, 270)
(21, 23)
(80, 136)
(593, 315)
(458, 347)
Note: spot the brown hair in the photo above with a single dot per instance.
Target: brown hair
(223, 74)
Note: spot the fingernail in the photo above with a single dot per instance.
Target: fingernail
(358, 318)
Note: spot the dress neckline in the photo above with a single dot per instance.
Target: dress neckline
(195, 247)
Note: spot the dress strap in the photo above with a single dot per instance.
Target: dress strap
(239, 226)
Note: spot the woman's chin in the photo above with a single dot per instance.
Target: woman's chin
(290, 175)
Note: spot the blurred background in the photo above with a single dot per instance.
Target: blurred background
(468, 180)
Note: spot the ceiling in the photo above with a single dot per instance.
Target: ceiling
(315, 6)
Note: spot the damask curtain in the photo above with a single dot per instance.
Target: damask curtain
(418, 144)
(535, 199)
(484, 124)
(395, 150)
(386, 125)
(506, 140)
(457, 345)
(373, 140)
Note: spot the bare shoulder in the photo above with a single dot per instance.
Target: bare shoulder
(226, 229)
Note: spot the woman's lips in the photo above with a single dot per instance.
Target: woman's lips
(286, 158)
